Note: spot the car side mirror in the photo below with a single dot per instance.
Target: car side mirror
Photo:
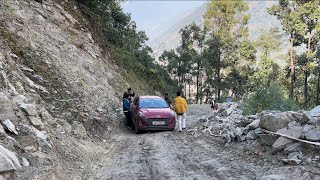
(133, 106)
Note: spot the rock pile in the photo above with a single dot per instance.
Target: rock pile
(268, 128)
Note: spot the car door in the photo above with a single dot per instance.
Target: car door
(134, 108)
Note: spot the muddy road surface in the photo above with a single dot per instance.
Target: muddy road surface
(174, 155)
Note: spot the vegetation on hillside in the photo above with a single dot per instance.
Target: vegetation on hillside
(118, 33)
(219, 60)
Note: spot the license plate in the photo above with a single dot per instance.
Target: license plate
(158, 123)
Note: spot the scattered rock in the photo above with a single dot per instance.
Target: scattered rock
(39, 134)
(238, 132)
(14, 57)
(267, 139)
(251, 135)
(296, 147)
(45, 116)
(29, 109)
(36, 122)
(292, 162)
(253, 125)
(30, 148)
(2, 130)
(23, 68)
(227, 112)
(228, 137)
(309, 160)
(25, 162)
(10, 126)
(258, 131)
(295, 155)
(306, 117)
(8, 160)
(100, 110)
(313, 135)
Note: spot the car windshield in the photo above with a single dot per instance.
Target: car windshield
(153, 103)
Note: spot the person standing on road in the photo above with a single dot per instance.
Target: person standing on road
(167, 99)
(126, 109)
(129, 92)
(180, 107)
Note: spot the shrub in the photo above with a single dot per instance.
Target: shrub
(268, 98)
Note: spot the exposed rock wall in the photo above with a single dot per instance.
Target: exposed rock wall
(56, 88)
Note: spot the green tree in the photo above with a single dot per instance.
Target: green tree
(286, 12)
(225, 21)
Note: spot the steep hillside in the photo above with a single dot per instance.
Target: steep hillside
(59, 91)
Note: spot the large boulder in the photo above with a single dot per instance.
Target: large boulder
(283, 142)
(8, 160)
(274, 122)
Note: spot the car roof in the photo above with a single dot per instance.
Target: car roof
(150, 97)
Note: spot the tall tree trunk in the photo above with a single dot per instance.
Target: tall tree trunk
(198, 74)
(207, 97)
(218, 76)
(306, 87)
(291, 66)
(318, 89)
(306, 74)
(189, 91)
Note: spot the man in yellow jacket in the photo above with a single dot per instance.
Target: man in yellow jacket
(180, 106)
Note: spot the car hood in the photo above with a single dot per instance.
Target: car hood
(157, 112)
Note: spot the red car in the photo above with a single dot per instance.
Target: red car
(152, 113)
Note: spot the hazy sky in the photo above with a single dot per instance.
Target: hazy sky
(149, 15)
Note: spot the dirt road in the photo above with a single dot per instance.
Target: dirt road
(174, 155)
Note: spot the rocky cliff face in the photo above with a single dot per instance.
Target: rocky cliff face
(58, 91)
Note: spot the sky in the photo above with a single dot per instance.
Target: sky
(155, 16)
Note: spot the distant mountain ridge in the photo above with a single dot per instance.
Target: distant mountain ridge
(259, 19)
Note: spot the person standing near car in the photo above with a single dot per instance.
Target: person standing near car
(129, 92)
(126, 109)
(180, 107)
(167, 99)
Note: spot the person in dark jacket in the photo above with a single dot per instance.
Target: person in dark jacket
(129, 92)
(126, 109)
(167, 99)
